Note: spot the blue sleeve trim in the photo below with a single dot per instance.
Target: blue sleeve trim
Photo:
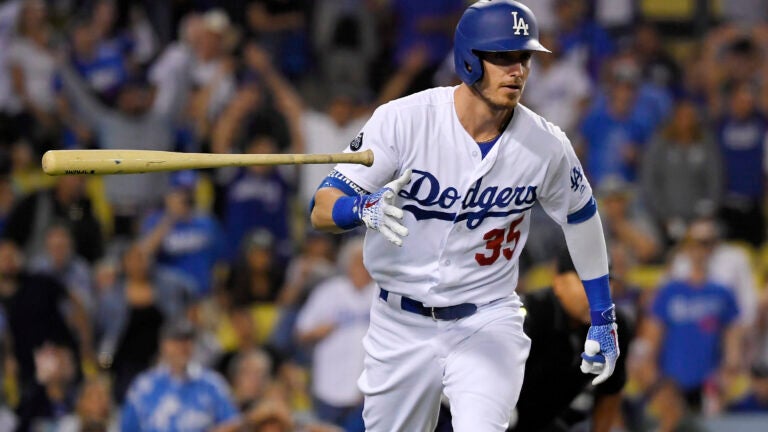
(586, 212)
(339, 181)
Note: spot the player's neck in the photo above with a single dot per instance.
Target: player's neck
(481, 120)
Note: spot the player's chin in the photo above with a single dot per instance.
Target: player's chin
(508, 102)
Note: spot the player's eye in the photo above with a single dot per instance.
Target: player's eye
(505, 58)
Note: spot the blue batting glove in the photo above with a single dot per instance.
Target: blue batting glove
(602, 346)
(378, 212)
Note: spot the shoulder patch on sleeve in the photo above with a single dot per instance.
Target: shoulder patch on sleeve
(356, 143)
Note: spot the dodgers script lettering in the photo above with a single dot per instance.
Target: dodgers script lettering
(478, 203)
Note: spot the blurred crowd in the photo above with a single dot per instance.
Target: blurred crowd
(202, 300)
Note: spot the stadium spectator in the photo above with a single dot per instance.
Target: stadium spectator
(183, 238)
(345, 32)
(726, 265)
(103, 67)
(242, 319)
(581, 39)
(60, 262)
(132, 312)
(281, 25)
(742, 134)
(658, 66)
(682, 173)
(614, 130)
(334, 320)
(258, 197)
(312, 265)
(250, 374)
(559, 89)
(178, 394)
(211, 69)
(31, 64)
(9, 12)
(731, 55)
(427, 25)
(255, 277)
(94, 410)
(66, 203)
(624, 222)
(557, 320)
(144, 120)
(52, 397)
(692, 333)
(32, 305)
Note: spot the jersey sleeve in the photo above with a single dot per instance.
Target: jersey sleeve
(379, 134)
(566, 193)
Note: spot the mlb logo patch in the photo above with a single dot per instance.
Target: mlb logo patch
(356, 143)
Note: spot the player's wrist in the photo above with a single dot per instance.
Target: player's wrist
(598, 292)
(604, 316)
(347, 212)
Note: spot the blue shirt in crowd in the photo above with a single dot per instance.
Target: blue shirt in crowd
(608, 138)
(159, 402)
(257, 201)
(410, 14)
(694, 319)
(590, 42)
(742, 144)
(192, 247)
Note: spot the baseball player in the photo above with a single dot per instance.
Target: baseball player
(447, 205)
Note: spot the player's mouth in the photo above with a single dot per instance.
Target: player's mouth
(514, 87)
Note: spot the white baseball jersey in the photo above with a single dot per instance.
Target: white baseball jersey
(468, 216)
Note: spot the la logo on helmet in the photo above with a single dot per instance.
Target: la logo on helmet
(520, 24)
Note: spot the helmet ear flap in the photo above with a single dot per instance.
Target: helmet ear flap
(467, 64)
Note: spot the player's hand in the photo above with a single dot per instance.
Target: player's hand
(602, 346)
(379, 213)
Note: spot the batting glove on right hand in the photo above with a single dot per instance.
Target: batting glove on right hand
(601, 350)
(378, 212)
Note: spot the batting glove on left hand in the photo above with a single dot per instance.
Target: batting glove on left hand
(601, 350)
(378, 212)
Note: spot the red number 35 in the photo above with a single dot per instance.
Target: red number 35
(495, 239)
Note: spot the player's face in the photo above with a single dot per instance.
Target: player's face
(504, 77)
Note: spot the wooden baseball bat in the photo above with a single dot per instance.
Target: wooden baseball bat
(106, 162)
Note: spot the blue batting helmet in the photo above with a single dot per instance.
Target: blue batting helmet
(492, 26)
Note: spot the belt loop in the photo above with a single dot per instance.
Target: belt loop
(432, 312)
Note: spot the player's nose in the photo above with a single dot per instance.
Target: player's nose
(515, 69)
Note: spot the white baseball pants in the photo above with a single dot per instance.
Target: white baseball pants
(478, 362)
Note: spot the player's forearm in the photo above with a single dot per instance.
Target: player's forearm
(322, 213)
(586, 245)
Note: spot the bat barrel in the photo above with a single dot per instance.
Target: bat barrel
(107, 162)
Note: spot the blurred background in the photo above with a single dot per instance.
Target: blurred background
(665, 102)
